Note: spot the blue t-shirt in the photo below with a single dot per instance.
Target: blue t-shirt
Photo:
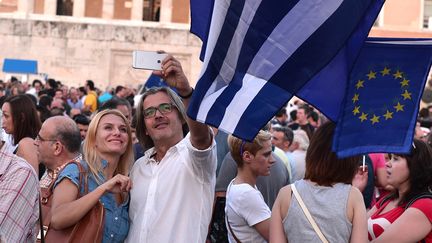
(116, 217)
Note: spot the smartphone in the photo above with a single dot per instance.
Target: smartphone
(150, 60)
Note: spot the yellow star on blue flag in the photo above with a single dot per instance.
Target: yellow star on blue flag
(379, 114)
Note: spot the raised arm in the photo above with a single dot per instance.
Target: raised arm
(172, 73)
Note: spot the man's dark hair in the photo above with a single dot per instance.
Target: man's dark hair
(69, 136)
(119, 88)
(37, 81)
(314, 116)
(52, 83)
(81, 119)
(424, 113)
(57, 111)
(281, 112)
(293, 115)
(307, 108)
(44, 113)
(58, 89)
(113, 103)
(288, 133)
(83, 90)
(45, 101)
(32, 98)
(90, 84)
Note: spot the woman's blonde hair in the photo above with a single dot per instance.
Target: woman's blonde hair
(238, 146)
(90, 150)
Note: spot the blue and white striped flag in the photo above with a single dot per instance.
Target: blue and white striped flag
(260, 53)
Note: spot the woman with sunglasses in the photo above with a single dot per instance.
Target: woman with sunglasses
(247, 216)
(20, 120)
(406, 214)
(108, 156)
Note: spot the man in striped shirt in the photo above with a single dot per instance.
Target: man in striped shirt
(19, 193)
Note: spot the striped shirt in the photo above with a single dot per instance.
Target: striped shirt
(19, 192)
(51, 175)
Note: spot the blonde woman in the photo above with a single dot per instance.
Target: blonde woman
(108, 156)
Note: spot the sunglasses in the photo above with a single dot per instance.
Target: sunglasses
(163, 108)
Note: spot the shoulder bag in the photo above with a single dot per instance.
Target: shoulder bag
(307, 214)
(87, 229)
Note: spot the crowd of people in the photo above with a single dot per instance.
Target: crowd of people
(162, 177)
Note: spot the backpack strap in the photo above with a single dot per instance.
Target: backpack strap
(412, 201)
(423, 195)
(385, 199)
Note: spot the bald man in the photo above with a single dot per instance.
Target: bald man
(58, 143)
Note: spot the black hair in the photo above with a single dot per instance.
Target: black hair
(419, 162)
(81, 119)
(91, 85)
(36, 81)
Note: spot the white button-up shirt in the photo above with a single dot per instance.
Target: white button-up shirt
(171, 201)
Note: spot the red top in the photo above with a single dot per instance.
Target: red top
(378, 222)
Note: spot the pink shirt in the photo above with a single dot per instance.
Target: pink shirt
(378, 161)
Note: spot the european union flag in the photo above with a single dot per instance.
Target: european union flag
(382, 98)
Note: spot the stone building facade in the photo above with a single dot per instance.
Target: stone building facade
(75, 40)
(402, 18)
(96, 43)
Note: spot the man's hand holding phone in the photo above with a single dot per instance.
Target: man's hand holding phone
(150, 60)
(165, 66)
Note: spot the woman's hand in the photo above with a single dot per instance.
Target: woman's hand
(361, 178)
(118, 184)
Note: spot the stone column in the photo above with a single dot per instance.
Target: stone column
(166, 11)
(78, 8)
(137, 9)
(26, 6)
(50, 7)
(108, 9)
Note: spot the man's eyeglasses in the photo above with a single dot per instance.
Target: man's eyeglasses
(41, 139)
(163, 108)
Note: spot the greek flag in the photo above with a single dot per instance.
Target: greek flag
(258, 54)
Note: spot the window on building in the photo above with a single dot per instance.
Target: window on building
(151, 10)
(64, 7)
(427, 20)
